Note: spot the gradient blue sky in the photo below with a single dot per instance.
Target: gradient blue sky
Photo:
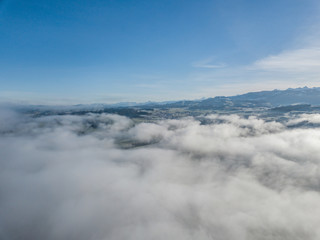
(77, 51)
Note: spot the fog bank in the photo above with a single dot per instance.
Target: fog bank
(103, 176)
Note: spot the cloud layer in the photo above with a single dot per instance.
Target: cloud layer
(106, 177)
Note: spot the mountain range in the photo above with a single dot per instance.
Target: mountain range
(269, 99)
(289, 99)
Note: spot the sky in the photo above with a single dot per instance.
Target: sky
(76, 51)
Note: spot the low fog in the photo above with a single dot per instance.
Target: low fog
(106, 177)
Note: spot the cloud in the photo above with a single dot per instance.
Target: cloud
(208, 63)
(107, 177)
(305, 118)
(289, 69)
(299, 60)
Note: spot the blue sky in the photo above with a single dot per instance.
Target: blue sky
(77, 51)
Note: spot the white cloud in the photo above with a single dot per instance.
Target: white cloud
(309, 118)
(289, 69)
(305, 60)
(68, 177)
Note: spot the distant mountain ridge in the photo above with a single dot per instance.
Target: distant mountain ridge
(290, 96)
(263, 99)
(270, 99)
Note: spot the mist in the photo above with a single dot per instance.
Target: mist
(104, 176)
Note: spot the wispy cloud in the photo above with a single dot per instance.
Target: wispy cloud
(208, 63)
(291, 61)
(297, 65)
